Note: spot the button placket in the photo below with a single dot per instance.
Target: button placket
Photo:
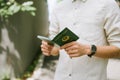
(71, 69)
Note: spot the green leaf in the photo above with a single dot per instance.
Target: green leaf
(28, 3)
(10, 7)
(14, 8)
(33, 13)
(28, 8)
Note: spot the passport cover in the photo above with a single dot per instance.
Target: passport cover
(65, 36)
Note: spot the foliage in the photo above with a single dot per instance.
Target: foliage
(10, 7)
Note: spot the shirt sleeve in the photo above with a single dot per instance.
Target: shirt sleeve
(112, 25)
(54, 25)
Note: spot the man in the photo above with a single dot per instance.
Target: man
(97, 23)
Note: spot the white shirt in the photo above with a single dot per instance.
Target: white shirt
(95, 22)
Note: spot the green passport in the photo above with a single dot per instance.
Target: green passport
(65, 36)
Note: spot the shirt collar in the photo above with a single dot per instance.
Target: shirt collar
(80, 0)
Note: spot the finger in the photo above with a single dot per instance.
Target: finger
(43, 46)
(44, 42)
(71, 47)
(74, 55)
(68, 45)
(46, 52)
(46, 46)
(72, 51)
(47, 43)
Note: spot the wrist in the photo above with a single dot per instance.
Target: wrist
(93, 50)
(88, 50)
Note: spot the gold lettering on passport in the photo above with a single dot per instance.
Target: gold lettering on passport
(65, 38)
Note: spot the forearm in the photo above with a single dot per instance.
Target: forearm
(107, 52)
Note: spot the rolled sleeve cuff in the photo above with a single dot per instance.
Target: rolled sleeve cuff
(115, 43)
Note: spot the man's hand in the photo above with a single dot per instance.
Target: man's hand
(75, 49)
(48, 49)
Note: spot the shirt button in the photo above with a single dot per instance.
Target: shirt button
(74, 24)
(70, 75)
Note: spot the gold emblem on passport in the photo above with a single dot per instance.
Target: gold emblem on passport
(65, 38)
